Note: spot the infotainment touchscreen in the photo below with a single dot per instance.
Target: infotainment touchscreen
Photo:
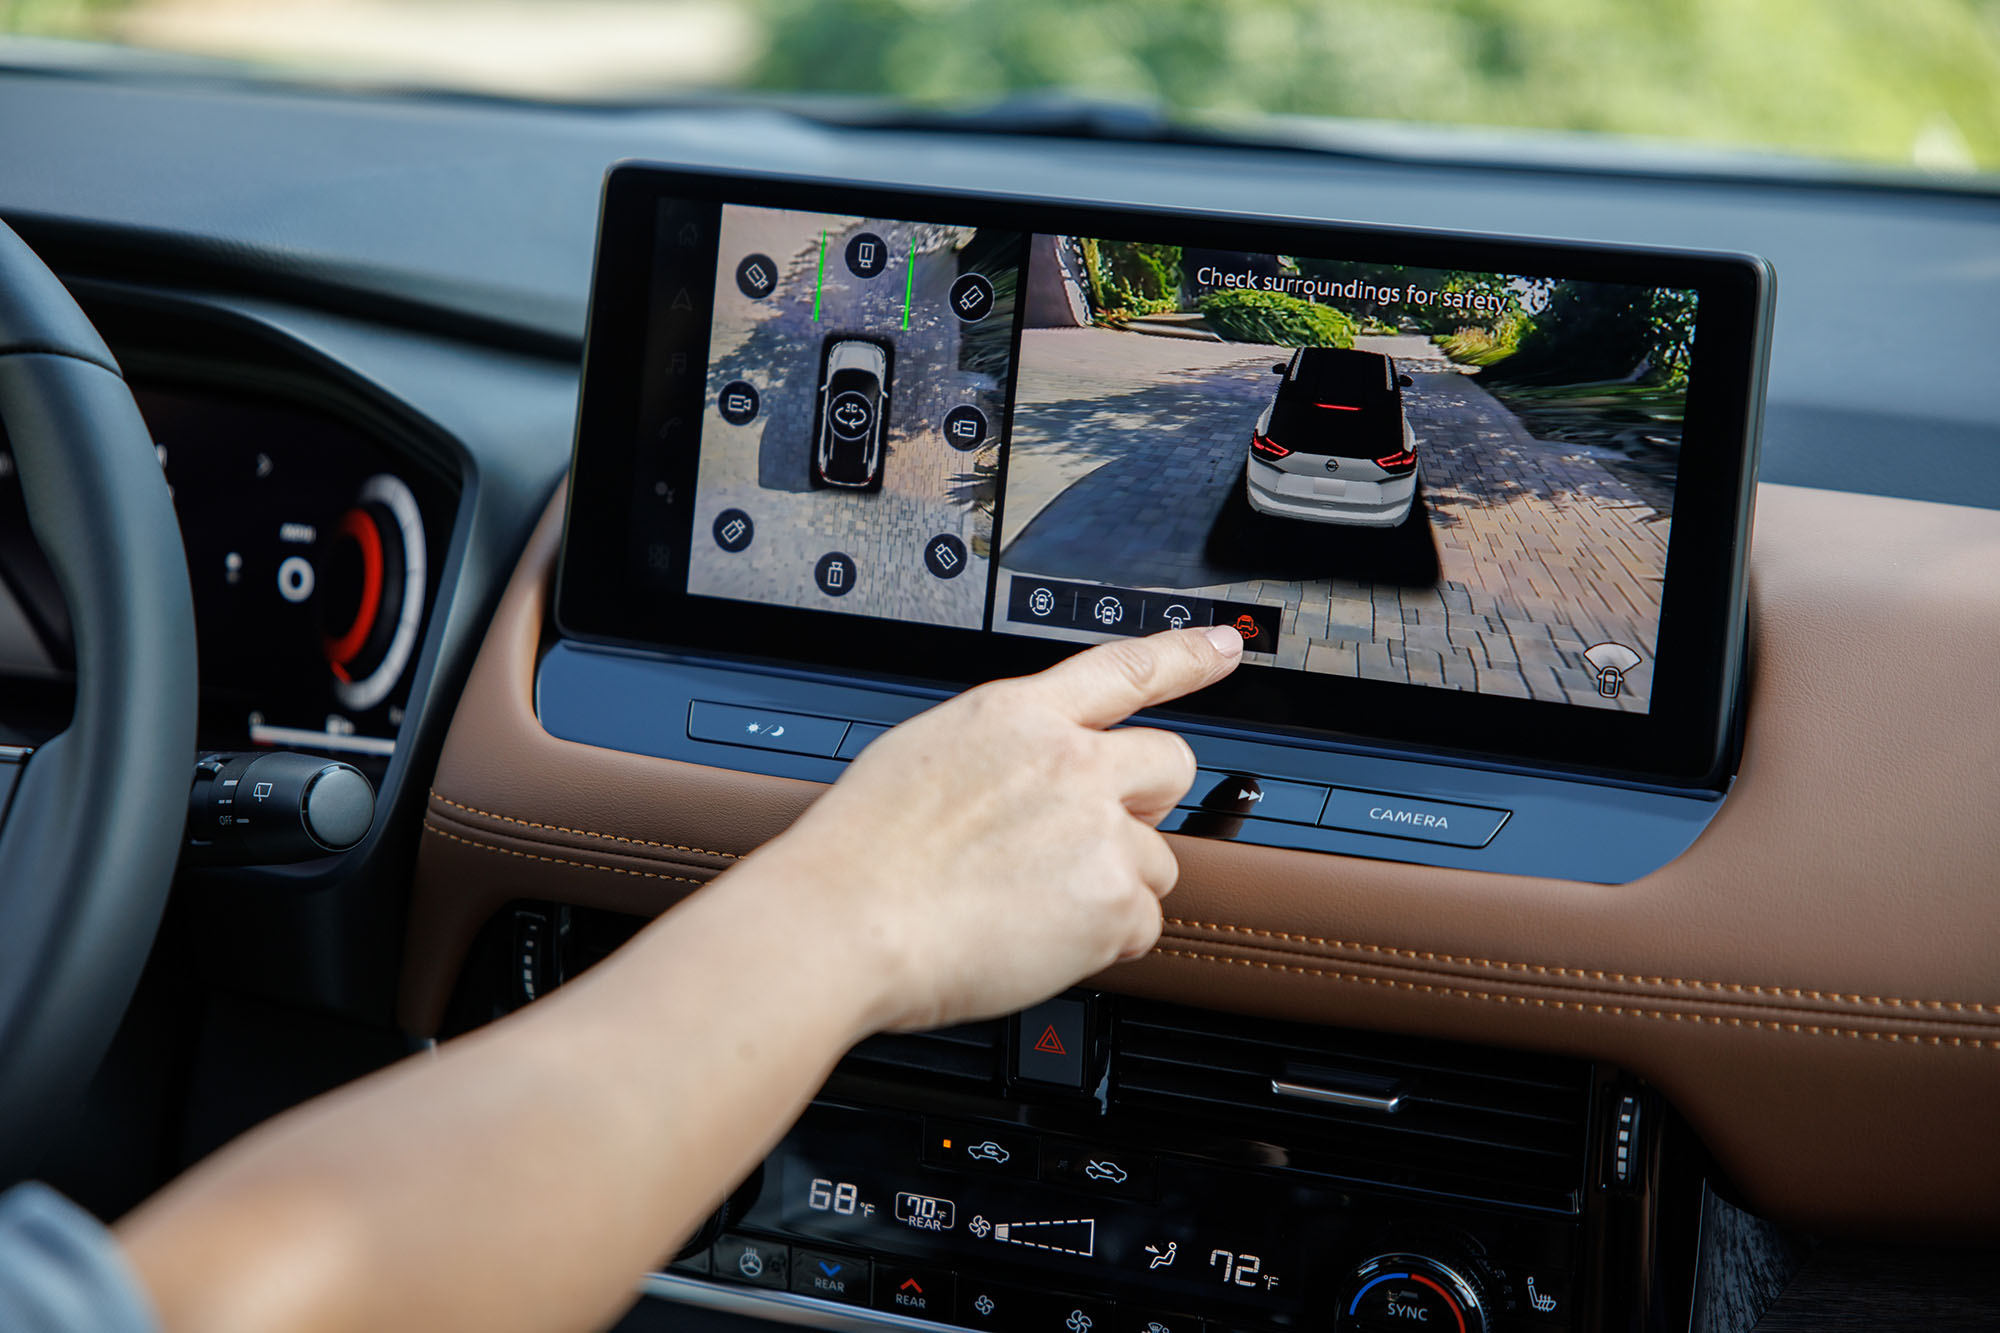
(1481, 495)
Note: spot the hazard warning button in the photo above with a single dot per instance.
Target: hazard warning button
(1052, 1043)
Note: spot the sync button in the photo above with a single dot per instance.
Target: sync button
(1411, 817)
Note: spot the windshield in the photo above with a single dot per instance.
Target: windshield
(1911, 84)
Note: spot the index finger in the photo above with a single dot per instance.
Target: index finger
(1107, 684)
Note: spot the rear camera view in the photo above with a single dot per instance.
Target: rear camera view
(858, 372)
(1443, 478)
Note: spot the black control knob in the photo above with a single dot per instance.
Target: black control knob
(1403, 1293)
(273, 807)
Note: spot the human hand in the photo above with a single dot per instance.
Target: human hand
(1003, 845)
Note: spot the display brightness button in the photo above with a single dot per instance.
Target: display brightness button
(1393, 816)
(764, 729)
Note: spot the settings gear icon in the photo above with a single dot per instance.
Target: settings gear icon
(979, 1226)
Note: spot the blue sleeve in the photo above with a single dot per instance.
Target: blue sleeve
(60, 1270)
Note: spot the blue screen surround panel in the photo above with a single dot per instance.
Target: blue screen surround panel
(1276, 791)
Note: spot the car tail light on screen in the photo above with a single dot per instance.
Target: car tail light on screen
(1400, 461)
(1268, 447)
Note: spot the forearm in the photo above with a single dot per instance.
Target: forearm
(527, 1174)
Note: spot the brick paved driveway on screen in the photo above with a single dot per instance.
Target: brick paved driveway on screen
(1126, 468)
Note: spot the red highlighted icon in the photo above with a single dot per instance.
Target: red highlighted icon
(1050, 1044)
(911, 1284)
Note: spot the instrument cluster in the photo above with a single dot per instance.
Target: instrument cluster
(313, 550)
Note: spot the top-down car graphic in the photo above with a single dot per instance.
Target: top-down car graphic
(1334, 445)
(852, 420)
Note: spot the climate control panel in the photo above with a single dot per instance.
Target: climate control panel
(982, 1223)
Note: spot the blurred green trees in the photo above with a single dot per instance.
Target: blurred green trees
(1910, 82)
(1586, 333)
(1132, 277)
(1914, 81)
(1284, 321)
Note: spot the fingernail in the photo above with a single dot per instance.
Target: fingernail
(1226, 640)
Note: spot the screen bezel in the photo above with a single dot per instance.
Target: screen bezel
(1686, 739)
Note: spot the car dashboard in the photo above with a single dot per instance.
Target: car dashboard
(1743, 1085)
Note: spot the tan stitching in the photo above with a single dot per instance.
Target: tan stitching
(581, 833)
(1591, 974)
(557, 860)
(1608, 1010)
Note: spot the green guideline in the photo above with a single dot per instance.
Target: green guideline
(820, 285)
(909, 281)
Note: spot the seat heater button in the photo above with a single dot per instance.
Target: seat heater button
(764, 728)
(1411, 817)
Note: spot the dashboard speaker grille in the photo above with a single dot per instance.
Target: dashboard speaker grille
(1468, 1121)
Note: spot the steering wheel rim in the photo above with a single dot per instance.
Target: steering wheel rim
(90, 836)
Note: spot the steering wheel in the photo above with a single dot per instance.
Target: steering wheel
(89, 838)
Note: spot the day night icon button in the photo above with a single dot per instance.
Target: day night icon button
(764, 729)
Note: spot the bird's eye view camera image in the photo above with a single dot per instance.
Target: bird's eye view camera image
(857, 377)
(1444, 478)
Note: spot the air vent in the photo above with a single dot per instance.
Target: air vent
(964, 1055)
(1466, 1120)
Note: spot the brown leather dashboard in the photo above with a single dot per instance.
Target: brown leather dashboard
(1815, 984)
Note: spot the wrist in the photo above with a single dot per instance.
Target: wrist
(818, 937)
